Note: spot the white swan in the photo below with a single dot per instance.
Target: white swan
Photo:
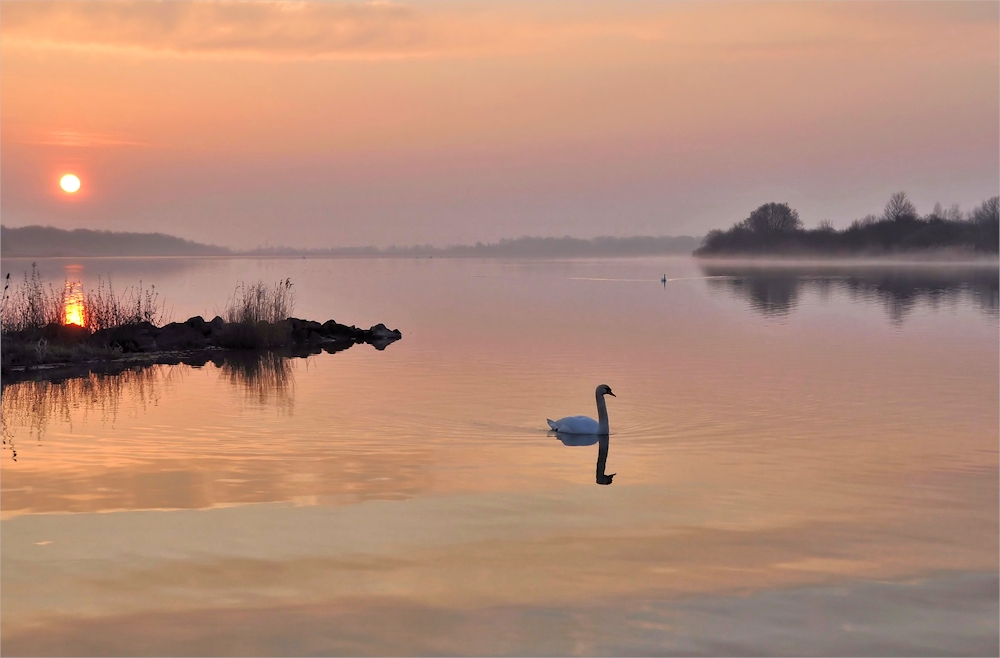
(583, 424)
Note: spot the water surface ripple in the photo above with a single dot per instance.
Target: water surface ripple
(806, 463)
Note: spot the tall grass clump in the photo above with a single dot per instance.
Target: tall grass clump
(254, 315)
(260, 303)
(31, 304)
(104, 309)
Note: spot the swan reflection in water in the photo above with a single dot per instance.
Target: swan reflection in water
(602, 440)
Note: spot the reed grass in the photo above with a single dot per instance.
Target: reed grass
(31, 304)
(255, 315)
(260, 303)
(104, 309)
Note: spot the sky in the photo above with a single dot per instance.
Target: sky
(322, 124)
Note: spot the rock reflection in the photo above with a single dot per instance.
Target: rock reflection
(775, 291)
(264, 377)
(28, 407)
(603, 442)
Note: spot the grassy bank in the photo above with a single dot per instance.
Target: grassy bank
(45, 326)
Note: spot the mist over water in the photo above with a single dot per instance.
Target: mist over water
(805, 462)
(775, 289)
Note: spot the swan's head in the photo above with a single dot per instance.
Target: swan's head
(605, 479)
(604, 389)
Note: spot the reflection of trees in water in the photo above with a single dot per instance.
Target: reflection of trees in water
(775, 291)
(262, 376)
(28, 407)
(773, 296)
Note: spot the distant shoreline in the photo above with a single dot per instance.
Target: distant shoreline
(50, 242)
(939, 258)
(775, 230)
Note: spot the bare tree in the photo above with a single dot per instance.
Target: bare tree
(988, 211)
(773, 218)
(954, 213)
(899, 207)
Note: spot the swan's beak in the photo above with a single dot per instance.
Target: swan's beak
(611, 394)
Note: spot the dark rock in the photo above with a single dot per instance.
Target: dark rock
(305, 331)
(50, 330)
(139, 337)
(65, 334)
(381, 331)
(355, 333)
(381, 336)
(192, 341)
(237, 336)
(176, 336)
(198, 324)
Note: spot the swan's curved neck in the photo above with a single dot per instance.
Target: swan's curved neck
(602, 415)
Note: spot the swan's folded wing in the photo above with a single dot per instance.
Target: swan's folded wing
(577, 425)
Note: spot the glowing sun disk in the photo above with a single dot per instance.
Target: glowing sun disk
(69, 183)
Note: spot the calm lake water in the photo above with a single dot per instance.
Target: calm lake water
(806, 462)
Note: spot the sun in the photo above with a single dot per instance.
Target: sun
(70, 183)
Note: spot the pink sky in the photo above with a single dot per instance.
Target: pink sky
(328, 124)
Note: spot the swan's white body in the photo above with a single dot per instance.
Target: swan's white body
(584, 424)
(576, 425)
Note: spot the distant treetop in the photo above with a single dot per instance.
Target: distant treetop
(773, 218)
(47, 241)
(775, 228)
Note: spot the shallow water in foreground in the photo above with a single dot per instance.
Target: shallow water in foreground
(806, 460)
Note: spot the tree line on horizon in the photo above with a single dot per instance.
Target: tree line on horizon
(773, 228)
(522, 247)
(47, 241)
(776, 228)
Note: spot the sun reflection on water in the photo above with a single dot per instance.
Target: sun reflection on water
(73, 304)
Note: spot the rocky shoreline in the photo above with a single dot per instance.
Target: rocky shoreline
(56, 350)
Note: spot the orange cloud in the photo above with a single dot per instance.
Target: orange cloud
(81, 139)
(234, 29)
(379, 30)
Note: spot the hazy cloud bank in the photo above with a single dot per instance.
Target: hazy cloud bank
(377, 30)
